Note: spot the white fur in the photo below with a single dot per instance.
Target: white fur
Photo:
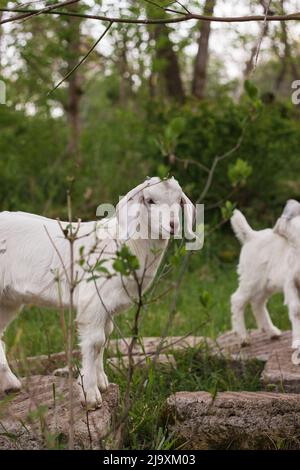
(263, 270)
(33, 251)
(288, 226)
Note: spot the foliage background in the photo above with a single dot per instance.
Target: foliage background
(132, 110)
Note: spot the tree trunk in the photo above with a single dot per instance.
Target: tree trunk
(170, 70)
(201, 62)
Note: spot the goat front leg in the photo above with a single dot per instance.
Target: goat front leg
(102, 380)
(92, 342)
(8, 381)
(293, 302)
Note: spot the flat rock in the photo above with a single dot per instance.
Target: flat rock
(260, 347)
(45, 364)
(122, 362)
(280, 374)
(149, 345)
(236, 420)
(38, 416)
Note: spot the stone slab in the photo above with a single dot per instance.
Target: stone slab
(45, 364)
(260, 347)
(279, 374)
(234, 420)
(149, 345)
(40, 411)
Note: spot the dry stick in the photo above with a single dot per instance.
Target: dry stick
(144, 21)
(31, 13)
(218, 159)
(166, 9)
(59, 5)
(187, 161)
(262, 33)
(183, 6)
(71, 236)
(81, 60)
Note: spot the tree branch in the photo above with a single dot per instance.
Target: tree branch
(29, 13)
(145, 21)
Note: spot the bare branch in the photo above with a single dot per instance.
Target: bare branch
(261, 36)
(81, 60)
(170, 20)
(30, 13)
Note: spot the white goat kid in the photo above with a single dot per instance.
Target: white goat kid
(33, 252)
(288, 226)
(262, 270)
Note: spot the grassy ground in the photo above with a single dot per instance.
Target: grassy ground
(202, 309)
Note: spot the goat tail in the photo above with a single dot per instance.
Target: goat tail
(240, 226)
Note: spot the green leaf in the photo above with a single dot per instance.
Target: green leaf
(205, 298)
(227, 210)
(239, 172)
(125, 262)
(251, 89)
(162, 171)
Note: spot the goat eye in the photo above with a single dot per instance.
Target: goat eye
(150, 201)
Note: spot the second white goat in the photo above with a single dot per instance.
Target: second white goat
(264, 268)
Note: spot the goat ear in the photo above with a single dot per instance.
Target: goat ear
(128, 211)
(291, 210)
(189, 213)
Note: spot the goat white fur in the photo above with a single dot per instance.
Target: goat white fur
(288, 226)
(33, 251)
(265, 267)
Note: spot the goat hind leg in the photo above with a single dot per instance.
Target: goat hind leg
(263, 319)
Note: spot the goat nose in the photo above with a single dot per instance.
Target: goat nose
(172, 227)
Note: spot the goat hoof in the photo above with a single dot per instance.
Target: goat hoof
(296, 357)
(245, 342)
(102, 382)
(275, 333)
(296, 344)
(10, 383)
(92, 399)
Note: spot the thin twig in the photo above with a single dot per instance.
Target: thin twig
(81, 60)
(31, 13)
(262, 33)
(217, 160)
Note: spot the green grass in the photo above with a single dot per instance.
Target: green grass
(195, 370)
